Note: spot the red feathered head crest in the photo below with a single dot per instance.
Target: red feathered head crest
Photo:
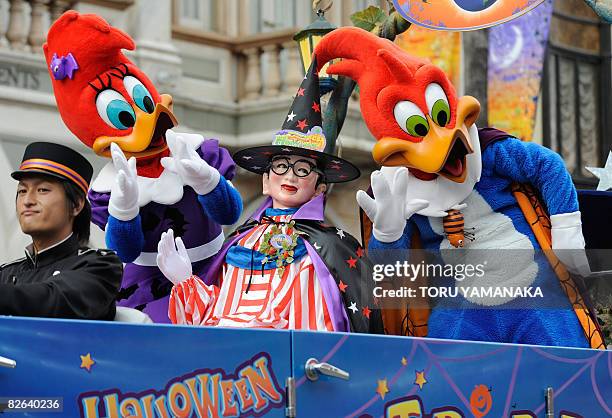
(101, 95)
(408, 104)
(378, 65)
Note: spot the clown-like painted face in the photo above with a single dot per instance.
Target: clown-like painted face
(296, 185)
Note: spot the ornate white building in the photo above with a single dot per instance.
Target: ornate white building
(230, 65)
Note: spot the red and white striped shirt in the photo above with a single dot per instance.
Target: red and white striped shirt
(293, 300)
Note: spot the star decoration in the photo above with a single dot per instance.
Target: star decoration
(256, 167)
(342, 176)
(420, 379)
(300, 91)
(306, 76)
(335, 166)
(267, 153)
(87, 362)
(382, 388)
(404, 361)
(316, 107)
(353, 307)
(246, 157)
(359, 252)
(286, 150)
(603, 174)
(316, 246)
(290, 116)
(302, 124)
(352, 262)
(366, 312)
(336, 162)
(340, 233)
(342, 286)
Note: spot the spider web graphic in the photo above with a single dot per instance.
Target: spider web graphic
(433, 360)
(579, 366)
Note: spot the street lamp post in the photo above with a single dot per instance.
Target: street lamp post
(307, 39)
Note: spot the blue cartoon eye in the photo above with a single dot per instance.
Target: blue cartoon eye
(115, 110)
(139, 94)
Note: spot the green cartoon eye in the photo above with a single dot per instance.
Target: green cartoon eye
(417, 125)
(440, 112)
(437, 104)
(411, 118)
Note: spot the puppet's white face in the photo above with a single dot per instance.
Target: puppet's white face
(295, 186)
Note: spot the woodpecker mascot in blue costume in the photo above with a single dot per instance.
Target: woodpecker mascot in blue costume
(451, 185)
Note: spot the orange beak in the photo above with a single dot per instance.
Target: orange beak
(148, 134)
(442, 151)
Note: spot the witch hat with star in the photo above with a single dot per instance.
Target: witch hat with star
(301, 134)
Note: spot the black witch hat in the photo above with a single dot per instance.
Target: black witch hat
(301, 134)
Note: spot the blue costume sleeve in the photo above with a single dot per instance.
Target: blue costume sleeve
(527, 162)
(125, 237)
(390, 252)
(223, 204)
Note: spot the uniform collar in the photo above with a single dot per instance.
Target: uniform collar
(57, 251)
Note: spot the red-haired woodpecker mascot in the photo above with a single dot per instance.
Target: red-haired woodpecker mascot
(436, 165)
(157, 179)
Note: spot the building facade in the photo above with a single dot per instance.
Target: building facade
(232, 69)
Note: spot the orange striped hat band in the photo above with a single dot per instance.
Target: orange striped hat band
(57, 168)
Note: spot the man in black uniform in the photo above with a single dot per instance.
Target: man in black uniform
(59, 276)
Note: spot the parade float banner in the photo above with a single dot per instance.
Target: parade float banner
(401, 377)
(110, 370)
(97, 369)
(441, 48)
(517, 51)
(456, 15)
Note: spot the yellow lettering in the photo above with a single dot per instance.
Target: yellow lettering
(405, 409)
(161, 407)
(246, 401)
(261, 383)
(179, 401)
(131, 408)
(111, 402)
(90, 407)
(229, 405)
(205, 406)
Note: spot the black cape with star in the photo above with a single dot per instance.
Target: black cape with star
(335, 251)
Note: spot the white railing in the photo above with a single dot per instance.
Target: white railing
(272, 66)
(24, 23)
(268, 63)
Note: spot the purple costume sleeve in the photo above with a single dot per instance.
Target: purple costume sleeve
(99, 208)
(337, 312)
(223, 204)
(218, 157)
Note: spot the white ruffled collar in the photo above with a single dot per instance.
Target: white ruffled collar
(166, 189)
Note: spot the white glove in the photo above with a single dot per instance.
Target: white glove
(568, 242)
(123, 204)
(173, 261)
(192, 169)
(389, 210)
